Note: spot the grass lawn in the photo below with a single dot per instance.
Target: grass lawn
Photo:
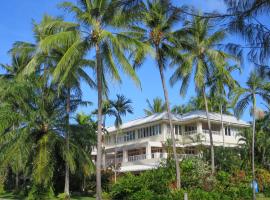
(10, 196)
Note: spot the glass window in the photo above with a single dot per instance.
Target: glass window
(228, 131)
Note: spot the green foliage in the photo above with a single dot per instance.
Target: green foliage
(195, 172)
(228, 159)
(158, 106)
(63, 196)
(154, 184)
(39, 192)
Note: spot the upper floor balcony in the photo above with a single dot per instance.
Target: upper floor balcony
(184, 134)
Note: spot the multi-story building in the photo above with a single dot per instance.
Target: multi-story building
(143, 143)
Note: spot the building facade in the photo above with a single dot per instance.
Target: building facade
(143, 143)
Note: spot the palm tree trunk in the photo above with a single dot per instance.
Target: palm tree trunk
(222, 125)
(99, 134)
(17, 181)
(210, 133)
(253, 148)
(115, 152)
(66, 190)
(178, 177)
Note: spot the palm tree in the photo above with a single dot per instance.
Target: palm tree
(182, 109)
(242, 97)
(158, 106)
(97, 19)
(68, 78)
(201, 57)
(119, 107)
(83, 134)
(222, 80)
(158, 18)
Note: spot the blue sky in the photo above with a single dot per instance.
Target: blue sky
(16, 18)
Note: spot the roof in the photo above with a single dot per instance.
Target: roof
(199, 114)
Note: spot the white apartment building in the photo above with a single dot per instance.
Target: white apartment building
(142, 144)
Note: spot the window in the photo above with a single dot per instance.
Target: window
(149, 131)
(228, 131)
(190, 129)
(177, 130)
(129, 136)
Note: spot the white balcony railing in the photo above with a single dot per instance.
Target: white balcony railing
(183, 156)
(213, 132)
(111, 161)
(190, 132)
(159, 155)
(136, 157)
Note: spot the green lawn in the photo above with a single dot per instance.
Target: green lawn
(261, 197)
(10, 196)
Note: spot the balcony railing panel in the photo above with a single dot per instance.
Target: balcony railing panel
(159, 155)
(136, 157)
(111, 161)
(213, 132)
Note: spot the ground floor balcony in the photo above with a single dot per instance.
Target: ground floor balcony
(144, 158)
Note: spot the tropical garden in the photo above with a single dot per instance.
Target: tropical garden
(46, 141)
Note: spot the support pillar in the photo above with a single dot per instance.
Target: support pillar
(148, 152)
(125, 155)
(199, 127)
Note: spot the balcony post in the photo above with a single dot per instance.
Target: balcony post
(148, 151)
(125, 155)
(199, 127)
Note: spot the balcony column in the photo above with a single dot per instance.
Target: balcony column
(148, 152)
(164, 131)
(125, 155)
(199, 127)
(183, 129)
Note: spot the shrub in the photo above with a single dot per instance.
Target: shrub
(153, 184)
(194, 173)
(39, 192)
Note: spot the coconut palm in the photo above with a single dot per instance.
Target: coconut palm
(97, 19)
(48, 53)
(222, 80)
(159, 18)
(158, 106)
(69, 80)
(242, 97)
(182, 109)
(200, 56)
(119, 108)
(83, 134)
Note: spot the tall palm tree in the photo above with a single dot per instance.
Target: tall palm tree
(200, 56)
(68, 78)
(242, 97)
(119, 108)
(158, 106)
(222, 80)
(97, 19)
(159, 18)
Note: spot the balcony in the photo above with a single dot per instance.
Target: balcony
(111, 161)
(213, 132)
(136, 157)
(159, 155)
(185, 156)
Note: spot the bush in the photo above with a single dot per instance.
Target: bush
(39, 192)
(153, 184)
(194, 173)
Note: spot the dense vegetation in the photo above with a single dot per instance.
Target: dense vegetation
(46, 145)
